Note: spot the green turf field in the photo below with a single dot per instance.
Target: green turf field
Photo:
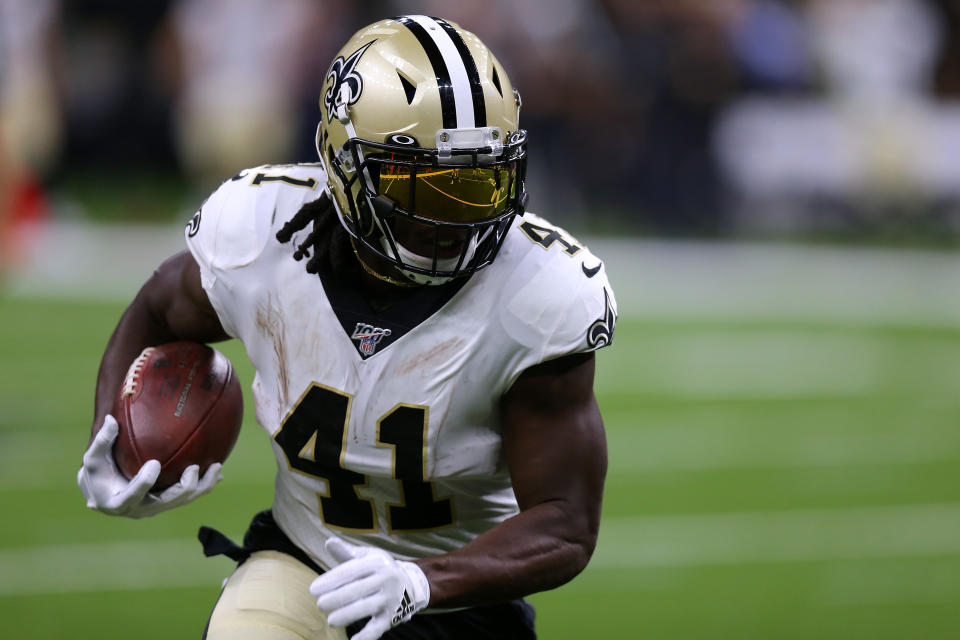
(767, 480)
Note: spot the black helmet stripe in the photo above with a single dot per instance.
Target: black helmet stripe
(447, 100)
(460, 89)
(476, 89)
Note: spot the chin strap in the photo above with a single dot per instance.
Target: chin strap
(379, 276)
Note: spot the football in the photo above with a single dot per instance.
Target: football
(181, 404)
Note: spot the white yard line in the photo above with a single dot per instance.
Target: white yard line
(733, 280)
(675, 541)
(107, 566)
(762, 364)
(652, 278)
(778, 364)
(771, 537)
(684, 447)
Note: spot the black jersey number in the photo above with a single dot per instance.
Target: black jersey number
(405, 429)
(260, 178)
(313, 438)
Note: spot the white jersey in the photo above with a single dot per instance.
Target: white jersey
(386, 430)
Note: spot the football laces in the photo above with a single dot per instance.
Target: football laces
(133, 373)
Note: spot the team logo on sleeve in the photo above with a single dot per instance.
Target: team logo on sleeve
(346, 84)
(369, 336)
(600, 333)
(194, 225)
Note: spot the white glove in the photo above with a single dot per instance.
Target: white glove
(369, 583)
(107, 490)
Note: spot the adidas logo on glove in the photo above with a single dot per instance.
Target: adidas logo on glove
(405, 609)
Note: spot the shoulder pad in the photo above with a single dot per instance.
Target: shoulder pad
(233, 225)
(559, 294)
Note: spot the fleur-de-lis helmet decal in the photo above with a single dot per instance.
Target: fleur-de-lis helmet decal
(346, 85)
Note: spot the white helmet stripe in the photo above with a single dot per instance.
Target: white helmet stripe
(476, 86)
(457, 70)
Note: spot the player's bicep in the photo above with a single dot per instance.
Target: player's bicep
(554, 439)
(176, 300)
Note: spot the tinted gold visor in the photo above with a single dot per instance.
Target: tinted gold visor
(449, 194)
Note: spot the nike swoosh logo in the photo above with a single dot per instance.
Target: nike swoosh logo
(590, 271)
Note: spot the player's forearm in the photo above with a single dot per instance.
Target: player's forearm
(170, 306)
(138, 328)
(539, 549)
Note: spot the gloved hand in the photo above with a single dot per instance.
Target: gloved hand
(107, 490)
(370, 583)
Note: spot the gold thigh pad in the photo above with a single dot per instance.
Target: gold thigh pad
(268, 598)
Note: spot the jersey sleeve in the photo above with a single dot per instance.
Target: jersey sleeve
(234, 224)
(588, 320)
(565, 303)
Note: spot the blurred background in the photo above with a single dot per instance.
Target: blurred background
(774, 186)
(798, 118)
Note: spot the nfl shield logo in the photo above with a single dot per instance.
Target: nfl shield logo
(369, 336)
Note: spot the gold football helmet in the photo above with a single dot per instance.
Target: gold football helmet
(420, 139)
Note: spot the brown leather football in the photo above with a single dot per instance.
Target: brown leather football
(181, 404)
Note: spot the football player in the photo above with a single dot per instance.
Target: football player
(424, 360)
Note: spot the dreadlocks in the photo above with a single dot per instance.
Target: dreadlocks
(327, 241)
